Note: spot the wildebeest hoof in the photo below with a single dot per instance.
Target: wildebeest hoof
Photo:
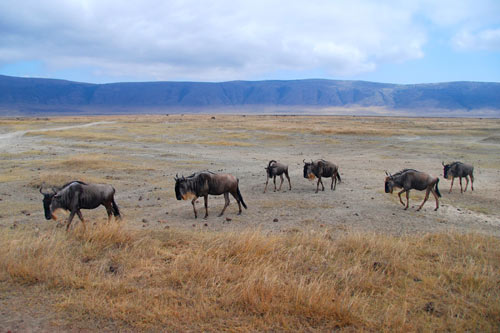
(406, 208)
(239, 213)
(436, 208)
(205, 217)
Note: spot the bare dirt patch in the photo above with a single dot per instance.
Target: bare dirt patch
(141, 155)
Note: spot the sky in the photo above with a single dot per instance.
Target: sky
(101, 41)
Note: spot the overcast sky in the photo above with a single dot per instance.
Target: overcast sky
(101, 41)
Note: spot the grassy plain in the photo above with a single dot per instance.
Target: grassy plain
(349, 260)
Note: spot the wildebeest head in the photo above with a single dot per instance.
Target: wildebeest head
(47, 201)
(308, 170)
(446, 170)
(182, 190)
(389, 183)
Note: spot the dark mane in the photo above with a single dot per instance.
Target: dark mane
(199, 173)
(71, 182)
(196, 181)
(66, 193)
(399, 173)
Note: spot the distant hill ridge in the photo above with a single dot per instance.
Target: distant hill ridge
(31, 94)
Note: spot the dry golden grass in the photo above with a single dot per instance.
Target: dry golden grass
(83, 134)
(96, 161)
(181, 280)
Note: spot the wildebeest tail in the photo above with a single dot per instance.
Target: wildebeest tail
(437, 190)
(239, 195)
(338, 177)
(116, 211)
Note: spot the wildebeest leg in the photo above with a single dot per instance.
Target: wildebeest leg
(70, 218)
(317, 185)
(425, 199)
(80, 216)
(466, 183)
(205, 199)
(461, 191)
(334, 180)
(407, 199)
(471, 182)
(109, 210)
(281, 177)
(452, 179)
(288, 177)
(194, 208)
(274, 181)
(235, 196)
(437, 200)
(399, 195)
(226, 198)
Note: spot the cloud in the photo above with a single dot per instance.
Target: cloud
(488, 40)
(216, 40)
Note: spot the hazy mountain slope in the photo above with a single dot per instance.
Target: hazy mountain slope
(25, 94)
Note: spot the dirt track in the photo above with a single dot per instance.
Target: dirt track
(141, 156)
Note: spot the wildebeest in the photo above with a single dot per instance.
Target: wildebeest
(459, 169)
(203, 183)
(408, 179)
(321, 168)
(77, 195)
(274, 169)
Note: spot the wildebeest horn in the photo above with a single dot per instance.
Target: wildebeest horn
(386, 173)
(442, 163)
(304, 160)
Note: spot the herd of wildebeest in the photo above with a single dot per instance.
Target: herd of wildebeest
(77, 195)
